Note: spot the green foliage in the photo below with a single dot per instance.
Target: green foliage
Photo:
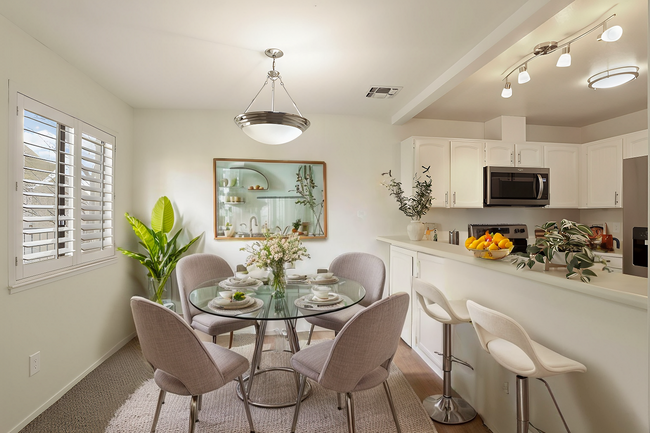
(238, 296)
(305, 186)
(413, 206)
(568, 238)
(161, 254)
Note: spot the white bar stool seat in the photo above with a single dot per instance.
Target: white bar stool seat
(509, 344)
(444, 408)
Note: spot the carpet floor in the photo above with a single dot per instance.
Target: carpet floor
(128, 403)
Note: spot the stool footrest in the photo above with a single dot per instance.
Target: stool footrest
(448, 410)
(455, 359)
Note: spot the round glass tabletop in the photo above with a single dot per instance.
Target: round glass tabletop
(298, 301)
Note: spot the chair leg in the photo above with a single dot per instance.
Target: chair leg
(246, 406)
(311, 331)
(232, 334)
(392, 406)
(193, 413)
(350, 403)
(303, 381)
(566, 426)
(161, 400)
(444, 408)
(523, 408)
(339, 401)
(199, 404)
(214, 339)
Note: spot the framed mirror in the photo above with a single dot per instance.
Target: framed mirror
(254, 196)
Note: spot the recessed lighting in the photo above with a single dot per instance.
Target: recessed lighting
(613, 77)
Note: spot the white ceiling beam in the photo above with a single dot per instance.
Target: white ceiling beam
(526, 19)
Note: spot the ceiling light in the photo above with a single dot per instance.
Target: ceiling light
(272, 127)
(565, 59)
(611, 34)
(613, 77)
(524, 76)
(507, 91)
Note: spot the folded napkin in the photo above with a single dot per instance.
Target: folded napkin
(241, 282)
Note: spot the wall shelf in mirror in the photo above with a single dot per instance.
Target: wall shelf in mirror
(256, 196)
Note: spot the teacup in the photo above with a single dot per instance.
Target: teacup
(226, 294)
(321, 292)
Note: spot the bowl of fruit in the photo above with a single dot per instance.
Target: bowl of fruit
(490, 246)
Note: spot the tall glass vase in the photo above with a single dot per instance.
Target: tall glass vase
(278, 282)
(163, 297)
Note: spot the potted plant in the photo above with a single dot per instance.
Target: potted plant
(161, 254)
(414, 206)
(568, 242)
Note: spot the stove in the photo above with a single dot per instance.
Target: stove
(517, 233)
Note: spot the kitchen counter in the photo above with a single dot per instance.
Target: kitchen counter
(615, 287)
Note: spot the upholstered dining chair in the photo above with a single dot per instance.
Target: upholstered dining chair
(358, 358)
(364, 268)
(193, 270)
(182, 363)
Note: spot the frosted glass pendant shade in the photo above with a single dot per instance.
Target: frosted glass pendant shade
(272, 127)
(565, 59)
(507, 91)
(523, 76)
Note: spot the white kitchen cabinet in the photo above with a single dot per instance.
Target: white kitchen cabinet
(563, 162)
(427, 331)
(417, 152)
(502, 154)
(467, 161)
(402, 267)
(604, 171)
(635, 144)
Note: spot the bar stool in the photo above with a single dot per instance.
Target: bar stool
(444, 408)
(510, 346)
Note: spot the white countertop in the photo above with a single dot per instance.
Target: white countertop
(616, 287)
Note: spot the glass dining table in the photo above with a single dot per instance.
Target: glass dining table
(264, 307)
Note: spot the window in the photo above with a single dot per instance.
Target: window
(63, 213)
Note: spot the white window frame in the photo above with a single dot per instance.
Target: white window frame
(25, 276)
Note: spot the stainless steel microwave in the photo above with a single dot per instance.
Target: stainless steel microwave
(515, 186)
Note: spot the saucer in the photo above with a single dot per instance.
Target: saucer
(232, 305)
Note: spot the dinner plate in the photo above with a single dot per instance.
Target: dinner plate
(226, 304)
(231, 285)
(332, 280)
(332, 298)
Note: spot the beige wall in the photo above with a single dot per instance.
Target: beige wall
(75, 321)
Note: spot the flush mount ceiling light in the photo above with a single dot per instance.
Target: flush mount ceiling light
(609, 34)
(272, 127)
(613, 77)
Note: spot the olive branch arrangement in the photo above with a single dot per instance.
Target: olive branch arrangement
(414, 206)
(305, 186)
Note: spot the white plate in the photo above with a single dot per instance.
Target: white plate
(254, 284)
(332, 280)
(332, 298)
(228, 305)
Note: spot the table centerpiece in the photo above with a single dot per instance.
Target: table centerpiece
(274, 252)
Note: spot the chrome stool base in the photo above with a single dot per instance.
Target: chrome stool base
(448, 410)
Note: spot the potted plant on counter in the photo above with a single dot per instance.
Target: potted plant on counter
(161, 254)
(566, 243)
(414, 206)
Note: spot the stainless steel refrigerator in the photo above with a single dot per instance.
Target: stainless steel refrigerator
(635, 216)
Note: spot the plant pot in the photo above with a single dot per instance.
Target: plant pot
(415, 230)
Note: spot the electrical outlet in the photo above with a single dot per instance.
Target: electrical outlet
(616, 227)
(506, 387)
(34, 363)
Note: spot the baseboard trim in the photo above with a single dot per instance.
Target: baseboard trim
(69, 386)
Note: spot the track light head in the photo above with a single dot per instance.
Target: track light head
(524, 76)
(507, 91)
(611, 34)
(565, 59)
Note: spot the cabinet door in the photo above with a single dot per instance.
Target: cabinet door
(604, 173)
(529, 155)
(401, 270)
(434, 153)
(635, 144)
(500, 154)
(562, 159)
(466, 174)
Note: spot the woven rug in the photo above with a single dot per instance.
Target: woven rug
(223, 411)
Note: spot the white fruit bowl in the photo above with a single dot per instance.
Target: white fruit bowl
(491, 254)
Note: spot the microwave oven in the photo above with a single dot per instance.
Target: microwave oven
(515, 186)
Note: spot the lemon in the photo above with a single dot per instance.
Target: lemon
(480, 246)
(497, 237)
(509, 245)
(481, 239)
(503, 243)
(469, 241)
(474, 244)
(493, 247)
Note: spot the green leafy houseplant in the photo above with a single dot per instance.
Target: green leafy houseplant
(568, 238)
(416, 205)
(162, 253)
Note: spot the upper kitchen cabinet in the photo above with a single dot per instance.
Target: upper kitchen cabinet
(418, 152)
(502, 154)
(604, 173)
(635, 144)
(563, 160)
(467, 161)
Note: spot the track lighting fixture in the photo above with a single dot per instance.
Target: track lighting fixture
(609, 34)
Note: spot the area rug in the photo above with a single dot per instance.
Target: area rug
(223, 411)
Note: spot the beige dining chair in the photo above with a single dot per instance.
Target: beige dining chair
(183, 364)
(366, 269)
(193, 270)
(358, 358)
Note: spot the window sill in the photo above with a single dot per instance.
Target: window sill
(31, 283)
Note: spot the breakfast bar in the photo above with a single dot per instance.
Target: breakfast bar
(602, 324)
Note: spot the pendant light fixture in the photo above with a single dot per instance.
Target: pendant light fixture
(272, 127)
(609, 78)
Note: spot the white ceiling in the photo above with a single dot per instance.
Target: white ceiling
(448, 55)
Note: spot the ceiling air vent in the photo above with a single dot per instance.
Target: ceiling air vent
(383, 92)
